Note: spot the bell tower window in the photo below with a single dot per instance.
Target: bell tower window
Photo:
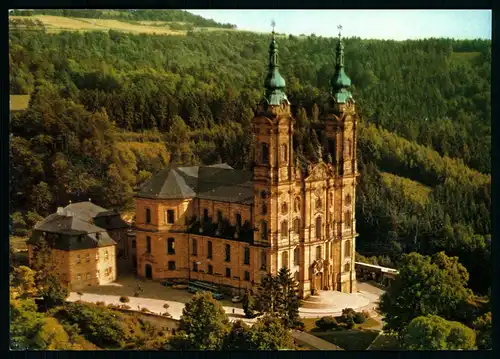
(265, 153)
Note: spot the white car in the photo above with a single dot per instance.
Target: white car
(237, 299)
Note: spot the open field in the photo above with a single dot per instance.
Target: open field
(413, 190)
(56, 24)
(350, 339)
(19, 102)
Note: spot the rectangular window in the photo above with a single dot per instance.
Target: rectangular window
(296, 256)
(78, 260)
(79, 277)
(170, 216)
(97, 257)
(195, 267)
(318, 252)
(171, 265)
(228, 253)
(246, 259)
(228, 272)
(195, 247)
(263, 259)
(171, 246)
(88, 276)
(209, 254)
(247, 275)
(148, 215)
(210, 269)
(97, 274)
(148, 244)
(205, 215)
(238, 219)
(219, 216)
(87, 258)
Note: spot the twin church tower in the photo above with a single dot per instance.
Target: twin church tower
(230, 227)
(309, 214)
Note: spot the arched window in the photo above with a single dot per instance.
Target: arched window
(148, 215)
(348, 219)
(348, 200)
(296, 204)
(263, 226)
(318, 203)
(265, 153)
(296, 256)
(318, 252)
(284, 153)
(347, 249)
(296, 225)
(148, 244)
(264, 209)
(284, 229)
(347, 267)
(284, 259)
(238, 219)
(284, 208)
(263, 194)
(318, 227)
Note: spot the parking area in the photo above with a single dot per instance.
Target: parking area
(128, 285)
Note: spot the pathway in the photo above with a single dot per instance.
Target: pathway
(153, 305)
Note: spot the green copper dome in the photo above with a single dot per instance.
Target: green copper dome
(274, 83)
(340, 82)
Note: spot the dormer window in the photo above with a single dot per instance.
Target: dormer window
(170, 216)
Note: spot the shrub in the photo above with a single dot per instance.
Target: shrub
(166, 314)
(136, 294)
(145, 310)
(166, 306)
(124, 299)
(359, 318)
(326, 323)
(366, 314)
(100, 304)
(346, 314)
(349, 323)
(124, 306)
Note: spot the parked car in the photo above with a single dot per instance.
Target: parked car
(236, 299)
(218, 296)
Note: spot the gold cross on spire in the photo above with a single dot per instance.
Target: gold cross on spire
(273, 24)
(340, 29)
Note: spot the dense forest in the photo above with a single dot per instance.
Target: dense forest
(108, 109)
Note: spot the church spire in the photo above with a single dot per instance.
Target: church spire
(274, 83)
(340, 82)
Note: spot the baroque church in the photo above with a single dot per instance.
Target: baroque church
(231, 227)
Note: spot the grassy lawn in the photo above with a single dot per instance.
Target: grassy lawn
(19, 243)
(350, 339)
(385, 342)
(19, 102)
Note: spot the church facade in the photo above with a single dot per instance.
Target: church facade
(231, 227)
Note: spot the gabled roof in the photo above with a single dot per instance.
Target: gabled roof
(217, 182)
